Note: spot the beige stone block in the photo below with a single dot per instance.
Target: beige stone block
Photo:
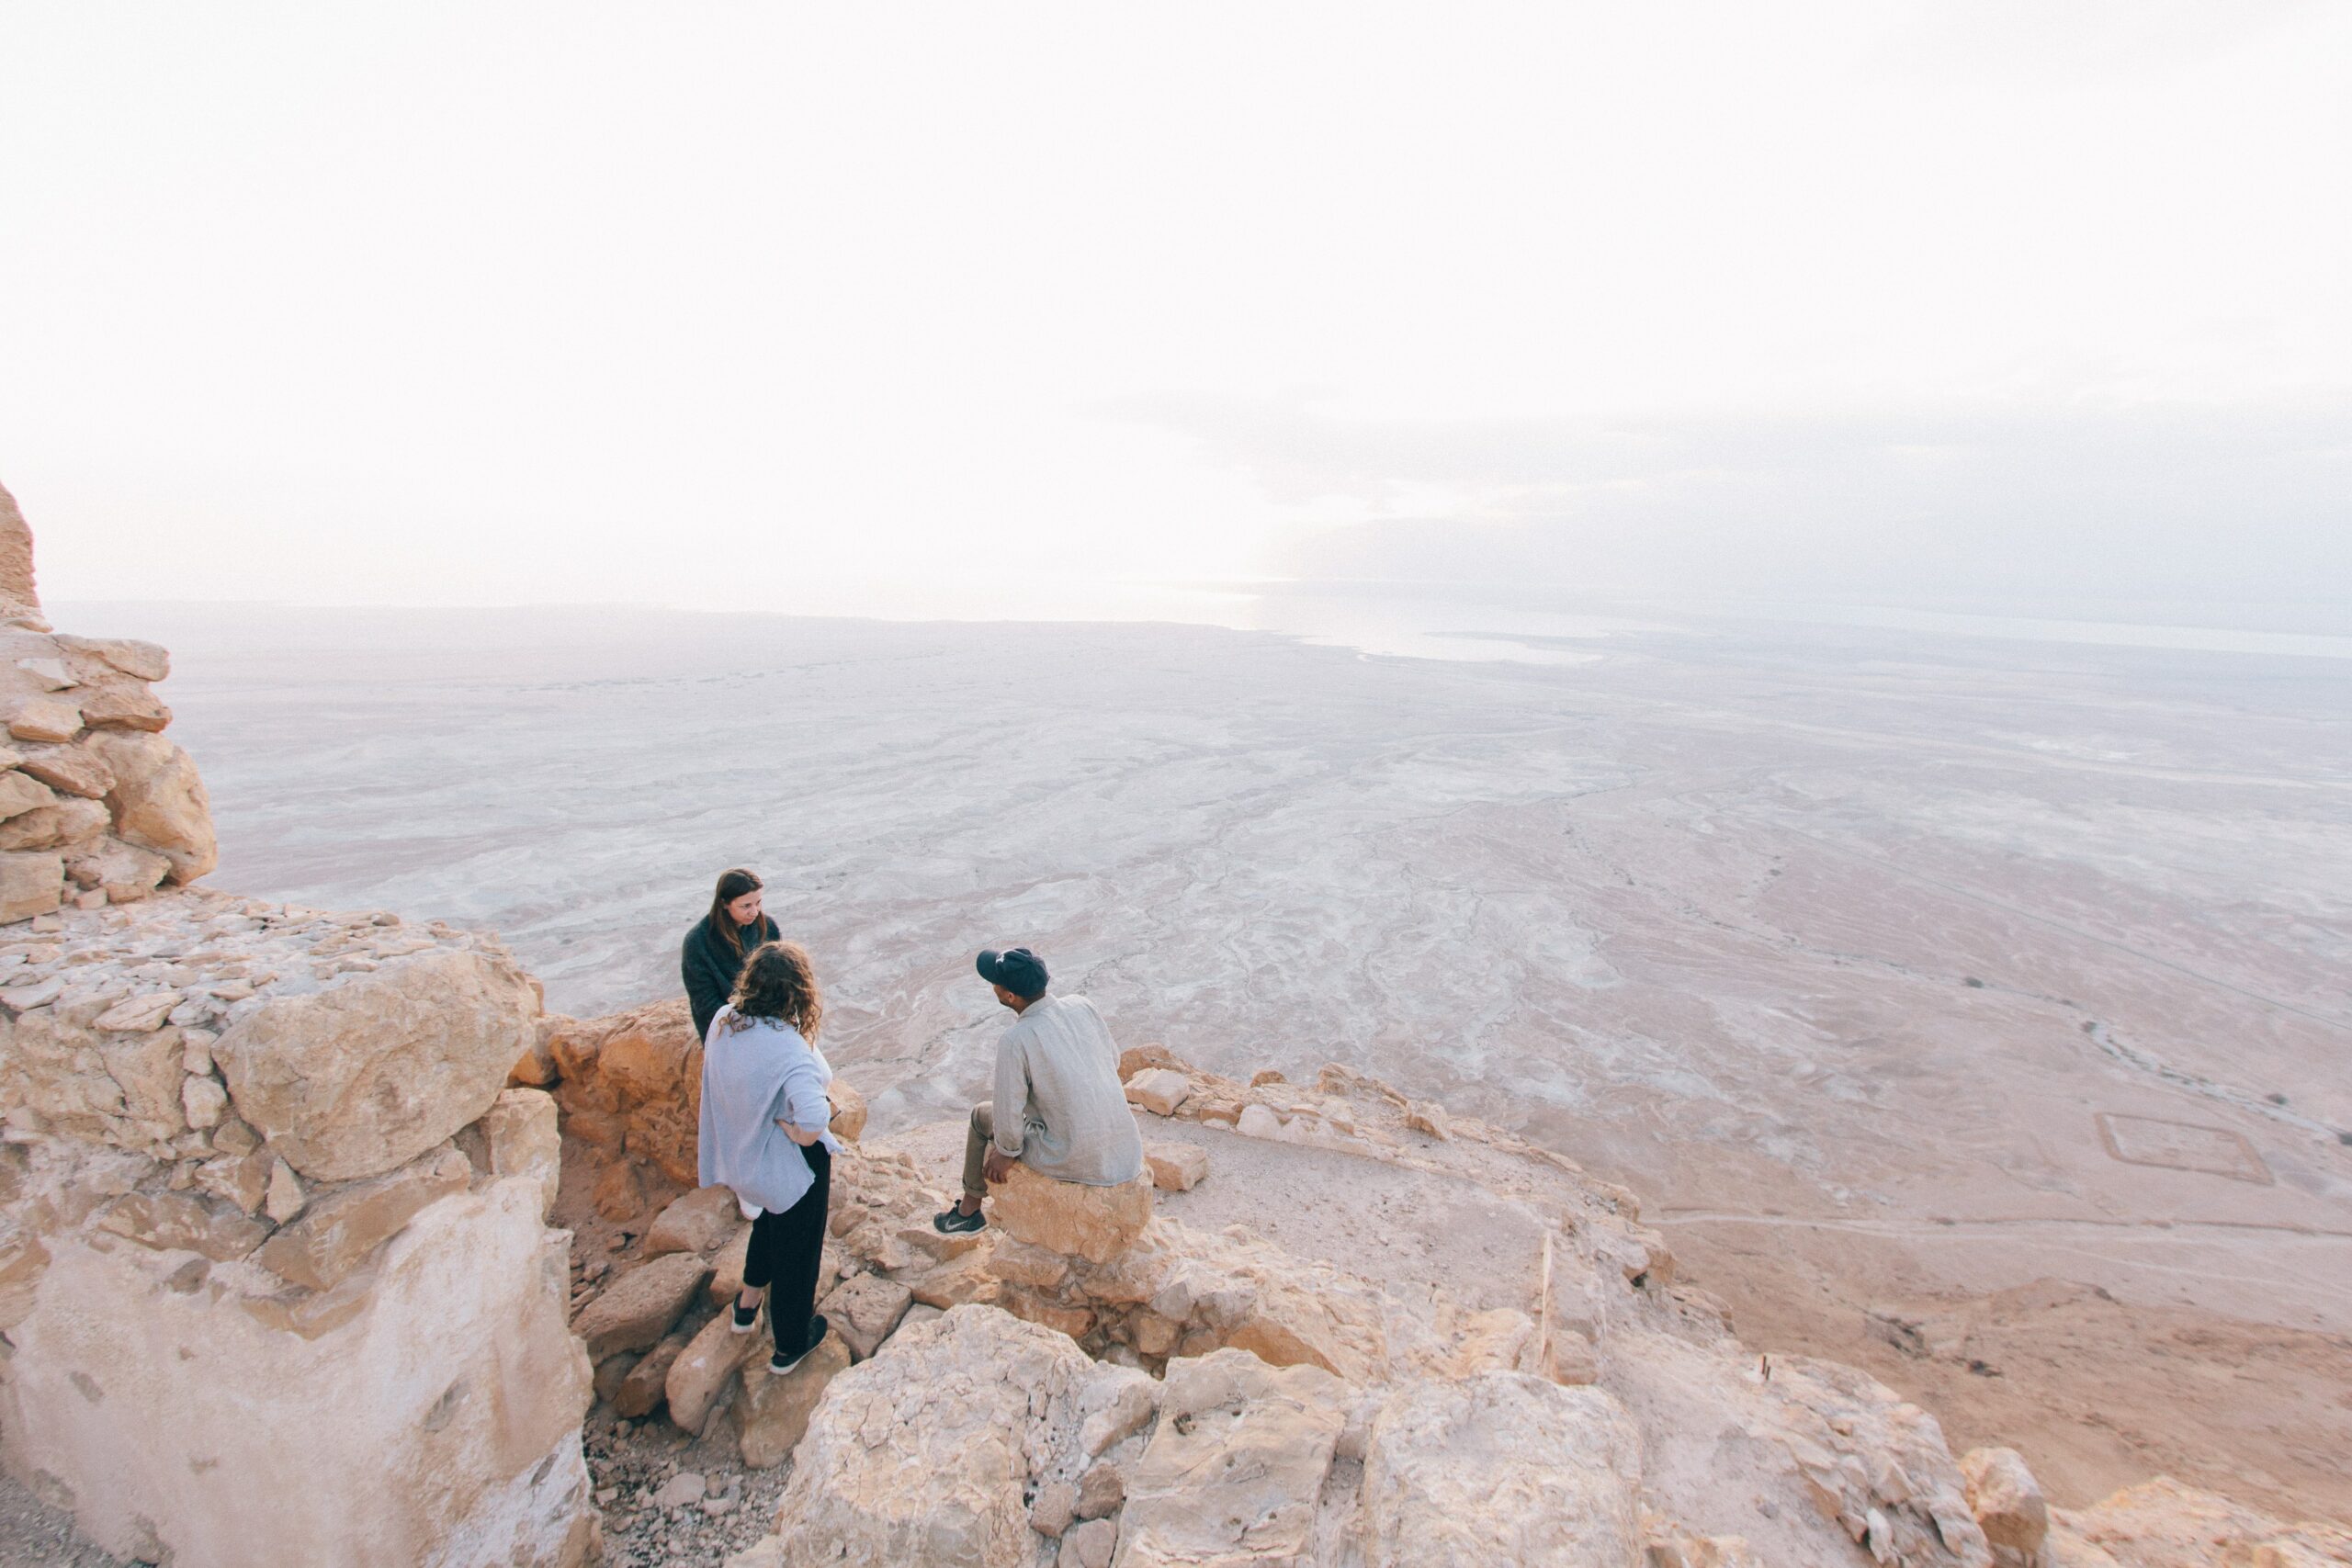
(521, 1133)
(358, 1078)
(959, 1282)
(1092, 1222)
(31, 885)
(338, 1231)
(158, 800)
(698, 1221)
(644, 1386)
(203, 1101)
(1136, 1058)
(1062, 1318)
(242, 1180)
(1176, 1167)
(69, 821)
(772, 1411)
(69, 770)
(2007, 1502)
(284, 1197)
(1159, 1090)
(19, 794)
(179, 1221)
(639, 1308)
(863, 1309)
(137, 1013)
(125, 708)
(141, 661)
(698, 1379)
(44, 719)
(123, 872)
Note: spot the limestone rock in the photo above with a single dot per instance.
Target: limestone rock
(176, 1222)
(140, 660)
(69, 770)
(125, 708)
(242, 1180)
(1427, 1116)
(640, 1072)
(1136, 1058)
(1176, 1167)
(124, 873)
(29, 884)
(641, 1389)
(1088, 1545)
(772, 1411)
(20, 795)
(849, 1111)
(1502, 1468)
(1233, 1471)
(1159, 1090)
(67, 822)
(40, 718)
(696, 1223)
(158, 801)
(284, 1197)
(338, 1231)
(863, 1310)
(1259, 1121)
(188, 1426)
(2008, 1503)
(203, 1101)
(1093, 1223)
(638, 1309)
(521, 1132)
(353, 1080)
(922, 1454)
(699, 1376)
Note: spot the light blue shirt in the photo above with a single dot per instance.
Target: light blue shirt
(753, 1077)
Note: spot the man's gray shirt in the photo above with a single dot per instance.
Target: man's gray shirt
(1059, 1105)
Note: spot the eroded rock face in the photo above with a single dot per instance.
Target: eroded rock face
(352, 1043)
(190, 1420)
(1234, 1469)
(2163, 1524)
(631, 1084)
(923, 1454)
(1502, 1468)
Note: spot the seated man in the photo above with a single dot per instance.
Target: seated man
(1060, 1108)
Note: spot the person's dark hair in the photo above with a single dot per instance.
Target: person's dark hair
(777, 982)
(732, 885)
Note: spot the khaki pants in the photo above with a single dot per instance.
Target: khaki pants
(981, 1133)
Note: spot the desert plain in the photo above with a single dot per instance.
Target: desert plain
(1972, 1010)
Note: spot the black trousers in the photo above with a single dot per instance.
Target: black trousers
(784, 1251)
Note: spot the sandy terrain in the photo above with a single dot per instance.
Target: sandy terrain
(1893, 971)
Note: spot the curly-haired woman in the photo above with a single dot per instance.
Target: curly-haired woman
(712, 956)
(764, 1134)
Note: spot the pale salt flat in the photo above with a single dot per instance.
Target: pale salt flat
(1849, 934)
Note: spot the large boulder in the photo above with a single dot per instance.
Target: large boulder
(772, 1411)
(158, 801)
(353, 1080)
(923, 1454)
(2008, 1505)
(1234, 1469)
(635, 1311)
(1502, 1467)
(185, 1421)
(1093, 1223)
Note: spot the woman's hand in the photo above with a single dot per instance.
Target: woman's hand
(797, 1134)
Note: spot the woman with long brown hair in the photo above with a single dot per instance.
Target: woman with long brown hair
(715, 949)
(763, 1132)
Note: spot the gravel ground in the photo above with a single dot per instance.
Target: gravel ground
(33, 1533)
(632, 1462)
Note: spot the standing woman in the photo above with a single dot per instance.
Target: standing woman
(718, 943)
(764, 1134)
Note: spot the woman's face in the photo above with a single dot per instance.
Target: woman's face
(746, 910)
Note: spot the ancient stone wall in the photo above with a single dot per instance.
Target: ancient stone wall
(272, 1228)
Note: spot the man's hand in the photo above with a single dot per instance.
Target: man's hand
(996, 1165)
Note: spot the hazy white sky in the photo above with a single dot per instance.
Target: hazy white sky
(802, 308)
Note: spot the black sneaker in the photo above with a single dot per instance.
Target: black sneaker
(956, 1222)
(746, 1318)
(781, 1363)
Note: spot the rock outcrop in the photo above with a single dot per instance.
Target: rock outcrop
(272, 1226)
